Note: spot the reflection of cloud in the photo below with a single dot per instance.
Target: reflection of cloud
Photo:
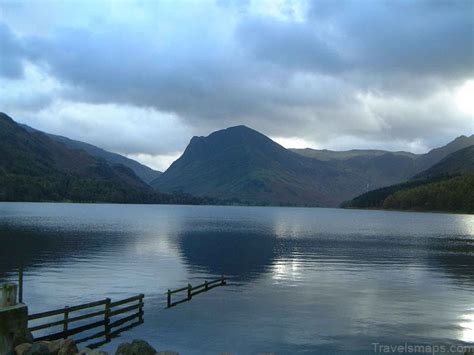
(287, 269)
(467, 333)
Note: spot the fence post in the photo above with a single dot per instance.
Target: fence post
(140, 309)
(189, 291)
(66, 319)
(169, 298)
(20, 284)
(107, 320)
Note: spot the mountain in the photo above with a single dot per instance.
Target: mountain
(424, 161)
(143, 172)
(446, 186)
(452, 194)
(384, 168)
(242, 164)
(325, 154)
(459, 162)
(34, 167)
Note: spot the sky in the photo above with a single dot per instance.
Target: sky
(141, 78)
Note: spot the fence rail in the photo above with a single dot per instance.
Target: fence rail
(108, 322)
(192, 291)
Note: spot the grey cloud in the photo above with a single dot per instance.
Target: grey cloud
(295, 46)
(11, 54)
(286, 78)
(379, 42)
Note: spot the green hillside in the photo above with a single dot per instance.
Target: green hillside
(459, 162)
(446, 186)
(33, 167)
(455, 194)
(242, 164)
(142, 171)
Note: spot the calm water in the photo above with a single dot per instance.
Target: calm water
(301, 280)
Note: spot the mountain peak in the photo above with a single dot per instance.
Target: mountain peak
(229, 138)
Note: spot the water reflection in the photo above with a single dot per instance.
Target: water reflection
(241, 256)
(335, 280)
(467, 324)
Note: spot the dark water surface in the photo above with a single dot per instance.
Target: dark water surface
(300, 280)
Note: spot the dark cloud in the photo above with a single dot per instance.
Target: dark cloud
(11, 54)
(378, 44)
(294, 46)
(352, 69)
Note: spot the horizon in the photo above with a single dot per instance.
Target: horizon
(139, 78)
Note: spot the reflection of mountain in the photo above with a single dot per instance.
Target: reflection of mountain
(245, 256)
(242, 256)
(243, 249)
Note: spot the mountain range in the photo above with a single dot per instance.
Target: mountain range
(236, 165)
(142, 171)
(241, 164)
(35, 167)
(448, 185)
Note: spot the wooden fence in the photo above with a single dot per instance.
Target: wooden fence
(105, 313)
(192, 291)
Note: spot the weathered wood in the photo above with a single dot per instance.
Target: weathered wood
(179, 289)
(70, 320)
(190, 289)
(46, 325)
(197, 290)
(85, 316)
(20, 284)
(87, 305)
(126, 309)
(107, 320)
(45, 314)
(66, 316)
(140, 310)
(126, 300)
(106, 323)
(207, 284)
(61, 310)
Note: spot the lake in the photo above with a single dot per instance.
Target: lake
(301, 280)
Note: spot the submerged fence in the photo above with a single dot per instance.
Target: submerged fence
(192, 291)
(105, 314)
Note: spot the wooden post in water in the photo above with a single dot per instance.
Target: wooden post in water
(66, 318)
(206, 285)
(140, 309)
(168, 303)
(107, 320)
(222, 280)
(20, 284)
(190, 288)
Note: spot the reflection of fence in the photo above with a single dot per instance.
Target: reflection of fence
(105, 313)
(192, 291)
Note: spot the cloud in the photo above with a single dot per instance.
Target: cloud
(123, 129)
(12, 54)
(141, 77)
